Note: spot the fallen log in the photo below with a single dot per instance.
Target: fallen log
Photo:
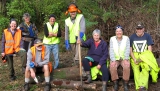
(73, 84)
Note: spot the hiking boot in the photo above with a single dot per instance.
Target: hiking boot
(115, 87)
(13, 78)
(47, 86)
(142, 89)
(89, 79)
(26, 87)
(125, 85)
(104, 87)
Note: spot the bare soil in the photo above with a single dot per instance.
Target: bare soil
(65, 61)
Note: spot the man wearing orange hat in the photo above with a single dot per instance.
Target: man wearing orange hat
(74, 27)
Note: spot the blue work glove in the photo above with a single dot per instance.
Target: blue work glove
(31, 64)
(81, 35)
(67, 44)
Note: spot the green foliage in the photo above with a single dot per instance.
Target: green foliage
(109, 15)
(4, 22)
(17, 8)
(33, 87)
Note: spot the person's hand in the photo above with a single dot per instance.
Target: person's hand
(127, 63)
(113, 64)
(78, 41)
(98, 66)
(3, 54)
(33, 75)
(135, 61)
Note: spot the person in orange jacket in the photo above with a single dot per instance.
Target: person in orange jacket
(12, 44)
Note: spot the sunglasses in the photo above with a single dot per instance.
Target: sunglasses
(119, 27)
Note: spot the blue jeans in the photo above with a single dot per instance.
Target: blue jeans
(54, 48)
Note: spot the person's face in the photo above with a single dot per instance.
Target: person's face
(140, 31)
(27, 19)
(73, 14)
(39, 47)
(96, 37)
(52, 20)
(13, 25)
(119, 32)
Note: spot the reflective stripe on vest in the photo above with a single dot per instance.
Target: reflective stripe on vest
(119, 50)
(140, 46)
(33, 51)
(12, 44)
(51, 40)
(74, 28)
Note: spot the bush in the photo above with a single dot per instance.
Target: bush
(3, 24)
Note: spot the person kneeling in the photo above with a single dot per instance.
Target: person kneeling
(37, 58)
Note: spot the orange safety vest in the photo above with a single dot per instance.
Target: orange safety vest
(33, 51)
(12, 44)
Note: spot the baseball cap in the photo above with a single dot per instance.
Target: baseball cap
(139, 25)
(38, 42)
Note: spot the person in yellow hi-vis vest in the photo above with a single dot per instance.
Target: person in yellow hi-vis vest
(51, 40)
(74, 27)
(142, 58)
(119, 51)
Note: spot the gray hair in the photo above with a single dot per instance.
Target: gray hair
(26, 15)
(96, 31)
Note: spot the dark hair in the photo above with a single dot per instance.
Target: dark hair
(13, 20)
(52, 15)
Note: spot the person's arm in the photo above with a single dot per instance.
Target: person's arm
(82, 25)
(22, 42)
(127, 50)
(46, 58)
(105, 54)
(66, 32)
(111, 51)
(59, 32)
(86, 44)
(46, 33)
(3, 43)
(149, 42)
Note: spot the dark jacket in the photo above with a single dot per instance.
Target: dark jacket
(99, 54)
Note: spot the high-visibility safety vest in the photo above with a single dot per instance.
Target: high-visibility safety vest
(74, 29)
(12, 43)
(140, 46)
(119, 50)
(33, 51)
(51, 40)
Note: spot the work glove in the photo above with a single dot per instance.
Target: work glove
(21, 28)
(31, 64)
(81, 35)
(67, 44)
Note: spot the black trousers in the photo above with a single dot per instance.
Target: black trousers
(104, 69)
(10, 61)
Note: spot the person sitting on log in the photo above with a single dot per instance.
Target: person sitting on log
(37, 61)
(97, 56)
(142, 58)
(119, 51)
